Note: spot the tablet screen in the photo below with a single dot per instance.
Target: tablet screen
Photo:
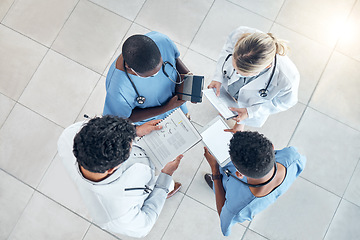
(217, 141)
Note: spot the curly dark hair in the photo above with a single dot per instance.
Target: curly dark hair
(252, 154)
(141, 53)
(103, 143)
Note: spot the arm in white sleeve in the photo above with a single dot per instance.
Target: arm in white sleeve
(284, 100)
(139, 221)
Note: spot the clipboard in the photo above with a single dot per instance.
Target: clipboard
(216, 140)
(176, 137)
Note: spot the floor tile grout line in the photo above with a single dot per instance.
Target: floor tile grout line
(308, 102)
(185, 194)
(332, 218)
(86, 232)
(75, 61)
(331, 55)
(280, 9)
(142, 6)
(334, 119)
(22, 34)
(246, 230)
(323, 188)
(122, 39)
(347, 19)
(297, 126)
(32, 75)
(258, 14)
(42, 177)
(343, 199)
(202, 22)
(1, 125)
(106, 9)
(45, 195)
(12, 4)
(87, 100)
(177, 209)
(41, 115)
(22, 213)
(194, 174)
(352, 175)
(277, 15)
(62, 27)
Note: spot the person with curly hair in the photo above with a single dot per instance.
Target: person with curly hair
(114, 176)
(256, 176)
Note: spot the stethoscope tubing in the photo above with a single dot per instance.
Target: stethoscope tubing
(141, 99)
(262, 92)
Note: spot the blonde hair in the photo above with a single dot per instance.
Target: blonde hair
(253, 52)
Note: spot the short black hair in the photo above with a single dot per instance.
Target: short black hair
(103, 143)
(141, 53)
(252, 154)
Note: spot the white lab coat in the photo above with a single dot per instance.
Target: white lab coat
(282, 91)
(131, 213)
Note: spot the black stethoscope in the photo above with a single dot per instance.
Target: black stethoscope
(146, 189)
(262, 92)
(141, 99)
(228, 173)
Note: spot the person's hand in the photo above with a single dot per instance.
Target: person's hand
(242, 114)
(174, 102)
(171, 167)
(148, 127)
(211, 160)
(216, 85)
(236, 128)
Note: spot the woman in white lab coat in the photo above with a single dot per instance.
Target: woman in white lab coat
(253, 68)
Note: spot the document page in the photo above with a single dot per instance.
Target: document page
(176, 137)
(221, 103)
(217, 141)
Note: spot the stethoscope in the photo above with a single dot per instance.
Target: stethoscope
(262, 92)
(146, 189)
(141, 99)
(228, 173)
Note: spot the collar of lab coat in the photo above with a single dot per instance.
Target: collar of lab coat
(136, 156)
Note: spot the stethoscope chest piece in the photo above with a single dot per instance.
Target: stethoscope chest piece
(263, 93)
(140, 99)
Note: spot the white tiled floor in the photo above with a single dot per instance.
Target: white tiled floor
(54, 57)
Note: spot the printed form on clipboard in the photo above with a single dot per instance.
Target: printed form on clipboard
(176, 137)
(217, 140)
(222, 102)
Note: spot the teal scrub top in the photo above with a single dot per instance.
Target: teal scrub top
(121, 96)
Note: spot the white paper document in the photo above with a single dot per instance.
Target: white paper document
(217, 140)
(176, 137)
(221, 103)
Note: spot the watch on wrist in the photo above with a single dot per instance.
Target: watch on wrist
(216, 176)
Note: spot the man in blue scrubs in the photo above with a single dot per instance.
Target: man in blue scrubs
(256, 176)
(140, 84)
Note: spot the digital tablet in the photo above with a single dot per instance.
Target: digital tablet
(217, 140)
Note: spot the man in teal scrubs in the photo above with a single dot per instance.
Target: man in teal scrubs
(140, 84)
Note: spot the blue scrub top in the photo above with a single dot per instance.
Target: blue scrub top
(158, 90)
(241, 204)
